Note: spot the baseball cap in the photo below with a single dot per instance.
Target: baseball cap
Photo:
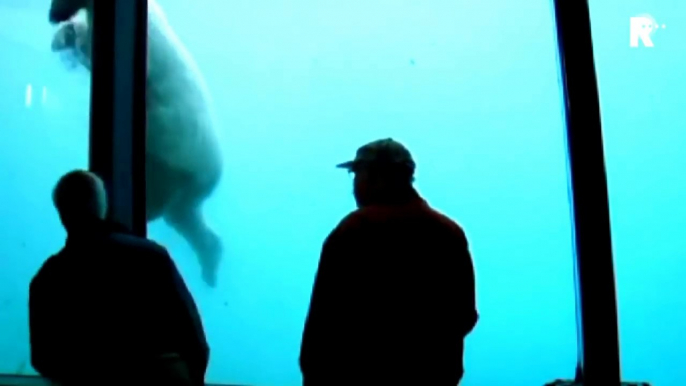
(386, 153)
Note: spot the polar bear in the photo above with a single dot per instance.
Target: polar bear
(183, 155)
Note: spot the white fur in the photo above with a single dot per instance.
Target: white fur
(181, 124)
(183, 148)
(181, 127)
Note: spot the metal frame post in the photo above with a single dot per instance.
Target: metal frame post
(118, 109)
(596, 298)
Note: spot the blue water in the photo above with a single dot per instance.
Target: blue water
(471, 88)
(642, 101)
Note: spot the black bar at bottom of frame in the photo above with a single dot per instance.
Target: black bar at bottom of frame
(118, 112)
(595, 269)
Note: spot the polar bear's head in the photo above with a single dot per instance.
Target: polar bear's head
(63, 10)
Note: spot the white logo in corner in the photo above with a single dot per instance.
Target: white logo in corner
(642, 28)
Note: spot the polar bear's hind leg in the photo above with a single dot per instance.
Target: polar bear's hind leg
(184, 214)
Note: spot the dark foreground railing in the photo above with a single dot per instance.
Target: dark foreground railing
(32, 380)
(27, 380)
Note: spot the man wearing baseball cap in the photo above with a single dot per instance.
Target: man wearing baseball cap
(394, 293)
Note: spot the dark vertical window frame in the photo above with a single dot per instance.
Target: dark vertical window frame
(599, 362)
(118, 108)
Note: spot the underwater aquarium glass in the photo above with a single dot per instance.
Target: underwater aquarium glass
(644, 128)
(472, 88)
(44, 120)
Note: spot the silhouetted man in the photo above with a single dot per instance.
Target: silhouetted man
(394, 294)
(111, 308)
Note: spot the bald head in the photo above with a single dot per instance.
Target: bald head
(80, 199)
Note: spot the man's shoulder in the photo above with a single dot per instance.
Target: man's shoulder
(148, 258)
(370, 214)
(44, 270)
(362, 220)
(356, 220)
(445, 221)
(136, 243)
(348, 227)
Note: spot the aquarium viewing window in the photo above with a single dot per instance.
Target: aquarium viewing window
(498, 101)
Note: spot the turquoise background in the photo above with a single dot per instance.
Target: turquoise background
(473, 89)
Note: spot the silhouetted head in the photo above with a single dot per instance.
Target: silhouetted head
(81, 200)
(384, 173)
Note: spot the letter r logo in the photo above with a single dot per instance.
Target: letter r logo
(641, 28)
